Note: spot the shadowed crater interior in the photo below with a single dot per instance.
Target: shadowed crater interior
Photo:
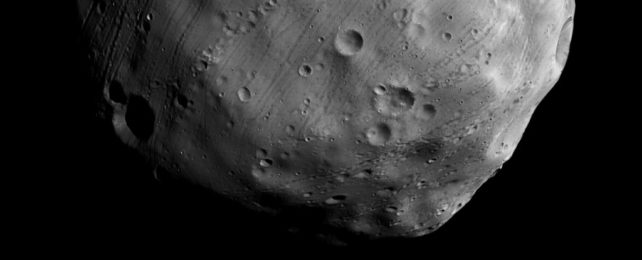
(117, 93)
(140, 117)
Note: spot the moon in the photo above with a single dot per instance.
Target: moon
(385, 116)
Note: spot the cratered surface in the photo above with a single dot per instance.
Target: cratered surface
(386, 116)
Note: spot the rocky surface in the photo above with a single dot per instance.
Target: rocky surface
(382, 117)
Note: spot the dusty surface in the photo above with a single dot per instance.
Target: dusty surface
(386, 115)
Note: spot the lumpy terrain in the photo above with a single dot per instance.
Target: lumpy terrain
(386, 116)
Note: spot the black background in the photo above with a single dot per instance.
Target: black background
(553, 195)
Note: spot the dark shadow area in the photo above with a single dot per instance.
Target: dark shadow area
(117, 93)
(140, 117)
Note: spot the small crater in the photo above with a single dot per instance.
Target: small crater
(403, 98)
(431, 161)
(305, 70)
(395, 101)
(400, 15)
(182, 101)
(140, 117)
(433, 227)
(201, 65)
(336, 199)
(265, 163)
(447, 36)
(289, 129)
(339, 197)
(244, 94)
(427, 112)
(147, 25)
(378, 135)
(382, 5)
(117, 93)
(271, 3)
(161, 173)
(349, 42)
(564, 42)
(380, 90)
(363, 174)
